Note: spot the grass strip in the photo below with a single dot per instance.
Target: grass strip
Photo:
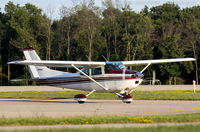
(167, 95)
(185, 128)
(98, 120)
(137, 95)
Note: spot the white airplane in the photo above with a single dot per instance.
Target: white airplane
(111, 76)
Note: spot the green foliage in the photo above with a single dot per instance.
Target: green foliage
(169, 49)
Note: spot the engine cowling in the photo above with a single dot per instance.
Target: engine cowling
(81, 98)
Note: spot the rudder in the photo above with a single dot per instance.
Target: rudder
(30, 54)
(39, 72)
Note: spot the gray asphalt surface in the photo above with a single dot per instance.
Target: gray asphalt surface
(69, 107)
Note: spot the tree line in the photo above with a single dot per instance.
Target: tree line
(88, 32)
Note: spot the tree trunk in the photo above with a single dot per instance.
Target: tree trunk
(107, 49)
(115, 46)
(174, 80)
(196, 64)
(90, 46)
(68, 43)
(49, 42)
(8, 72)
(128, 56)
(134, 54)
(170, 80)
(48, 50)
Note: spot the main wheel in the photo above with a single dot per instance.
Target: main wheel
(81, 102)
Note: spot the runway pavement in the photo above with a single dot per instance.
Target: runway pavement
(68, 107)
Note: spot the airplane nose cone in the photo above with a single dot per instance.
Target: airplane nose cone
(139, 75)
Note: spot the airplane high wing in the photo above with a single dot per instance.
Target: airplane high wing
(157, 61)
(142, 62)
(93, 63)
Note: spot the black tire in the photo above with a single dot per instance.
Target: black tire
(81, 102)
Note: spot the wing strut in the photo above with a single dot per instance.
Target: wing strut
(145, 68)
(89, 77)
(90, 92)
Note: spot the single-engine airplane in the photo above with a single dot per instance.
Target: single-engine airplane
(110, 76)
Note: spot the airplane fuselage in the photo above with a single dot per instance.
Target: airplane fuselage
(115, 82)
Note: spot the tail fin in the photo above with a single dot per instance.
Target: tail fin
(39, 71)
(30, 54)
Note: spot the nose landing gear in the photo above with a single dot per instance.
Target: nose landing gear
(80, 98)
(126, 98)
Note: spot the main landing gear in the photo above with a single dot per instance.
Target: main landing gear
(81, 98)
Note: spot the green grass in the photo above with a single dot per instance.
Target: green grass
(186, 128)
(99, 120)
(54, 94)
(167, 95)
(144, 95)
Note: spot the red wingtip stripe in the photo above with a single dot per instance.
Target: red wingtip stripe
(29, 48)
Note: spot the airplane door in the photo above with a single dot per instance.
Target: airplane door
(97, 74)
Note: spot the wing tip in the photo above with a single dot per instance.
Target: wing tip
(14, 62)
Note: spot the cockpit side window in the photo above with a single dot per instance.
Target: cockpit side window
(95, 71)
(86, 71)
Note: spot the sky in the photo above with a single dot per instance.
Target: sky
(55, 5)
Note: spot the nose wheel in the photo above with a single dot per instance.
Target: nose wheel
(126, 98)
(80, 98)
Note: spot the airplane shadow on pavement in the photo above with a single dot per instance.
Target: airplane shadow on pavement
(42, 101)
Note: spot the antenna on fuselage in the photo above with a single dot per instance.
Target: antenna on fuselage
(104, 58)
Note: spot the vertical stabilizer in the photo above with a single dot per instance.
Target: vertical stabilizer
(30, 54)
(39, 71)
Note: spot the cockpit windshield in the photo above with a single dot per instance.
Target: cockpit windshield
(113, 66)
